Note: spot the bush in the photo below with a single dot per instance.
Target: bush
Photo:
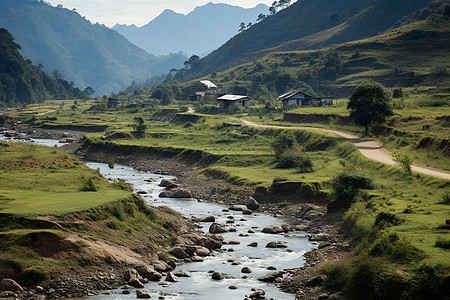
(403, 160)
(111, 163)
(384, 219)
(123, 185)
(397, 249)
(445, 198)
(443, 243)
(345, 187)
(293, 158)
(88, 185)
(282, 142)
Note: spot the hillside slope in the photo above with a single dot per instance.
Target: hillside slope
(201, 31)
(89, 54)
(414, 54)
(313, 24)
(23, 83)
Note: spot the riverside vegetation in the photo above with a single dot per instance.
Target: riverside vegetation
(397, 221)
(59, 218)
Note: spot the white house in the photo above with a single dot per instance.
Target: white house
(230, 101)
(298, 98)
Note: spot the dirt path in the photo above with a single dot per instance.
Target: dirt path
(368, 147)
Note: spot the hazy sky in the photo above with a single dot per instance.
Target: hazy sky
(139, 12)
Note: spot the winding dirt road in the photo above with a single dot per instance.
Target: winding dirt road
(368, 147)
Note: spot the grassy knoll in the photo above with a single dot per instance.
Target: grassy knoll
(48, 224)
(37, 180)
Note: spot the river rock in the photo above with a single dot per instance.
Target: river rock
(253, 244)
(271, 277)
(247, 212)
(246, 270)
(10, 285)
(145, 271)
(320, 237)
(211, 244)
(202, 251)
(136, 283)
(166, 183)
(273, 229)
(207, 219)
(172, 278)
(251, 203)
(315, 281)
(279, 244)
(197, 258)
(143, 295)
(155, 276)
(233, 242)
(287, 227)
(179, 253)
(238, 207)
(130, 274)
(217, 228)
(176, 193)
(217, 276)
(182, 273)
(161, 266)
(258, 294)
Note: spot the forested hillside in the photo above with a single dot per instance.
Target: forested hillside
(89, 54)
(23, 83)
(204, 29)
(314, 24)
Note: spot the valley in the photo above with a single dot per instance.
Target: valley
(292, 162)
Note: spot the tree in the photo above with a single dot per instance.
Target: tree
(89, 90)
(249, 25)
(260, 17)
(241, 27)
(192, 61)
(369, 104)
(139, 125)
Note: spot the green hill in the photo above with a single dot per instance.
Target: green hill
(315, 24)
(21, 82)
(89, 54)
(414, 54)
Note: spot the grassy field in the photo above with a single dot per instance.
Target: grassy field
(37, 180)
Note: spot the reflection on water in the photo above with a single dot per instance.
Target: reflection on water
(200, 285)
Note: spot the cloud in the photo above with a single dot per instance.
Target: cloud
(138, 12)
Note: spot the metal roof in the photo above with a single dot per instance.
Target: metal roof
(292, 93)
(208, 84)
(233, 97)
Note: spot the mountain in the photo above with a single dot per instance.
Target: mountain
(23, 83)
(88, 54)
(314, 24)
(199, 32)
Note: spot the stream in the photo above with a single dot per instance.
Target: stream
(200, 285)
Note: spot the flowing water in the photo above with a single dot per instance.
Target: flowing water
(200, 285)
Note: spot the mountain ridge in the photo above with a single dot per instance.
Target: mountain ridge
(198, 32)
(88, 54)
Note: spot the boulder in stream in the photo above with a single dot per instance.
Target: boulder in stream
(251, 203)
(176, 193)
(217, 228)
(273, 229)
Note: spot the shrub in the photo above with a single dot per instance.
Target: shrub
(123, 185)
(282, 142)
(403, 160)
(111, 163)
(345, 187)
(88, 185)
(385, 219)
(293, 158)
(397, 249)
(443, 243)
(445, 198)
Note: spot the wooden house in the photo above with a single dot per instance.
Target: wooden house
(297, 98)
(230, 101)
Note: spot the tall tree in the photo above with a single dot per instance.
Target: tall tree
(369, 104)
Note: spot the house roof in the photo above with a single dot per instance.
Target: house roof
(291, 94)
(233, 97)
(208, 84)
